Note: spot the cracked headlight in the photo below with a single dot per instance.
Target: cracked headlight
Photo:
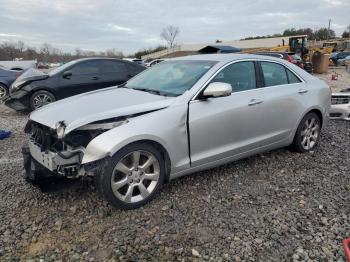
(17, 85)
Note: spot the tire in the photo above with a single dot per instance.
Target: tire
(307, 134)
(3, 92)
(127, 182)
(41, 98)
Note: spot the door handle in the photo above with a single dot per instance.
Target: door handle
(95, 78)
(302, 91)
(254, 102)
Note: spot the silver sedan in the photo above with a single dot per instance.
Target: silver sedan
(178, 117)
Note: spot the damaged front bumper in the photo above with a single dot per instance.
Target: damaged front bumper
(38, 163)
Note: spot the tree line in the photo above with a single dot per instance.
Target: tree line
(319, 34)
(48, 53)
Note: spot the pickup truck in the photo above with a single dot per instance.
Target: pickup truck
(19, 65)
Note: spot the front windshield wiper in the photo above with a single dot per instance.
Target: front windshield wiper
(152, 91)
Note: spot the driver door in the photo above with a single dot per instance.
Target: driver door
(223, 127)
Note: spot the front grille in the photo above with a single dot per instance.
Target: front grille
(335, 114)
(337, 100)
(43, 136)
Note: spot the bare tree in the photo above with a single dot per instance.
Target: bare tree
(169, 34)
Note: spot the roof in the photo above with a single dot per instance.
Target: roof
(221, 48)
(225, 57)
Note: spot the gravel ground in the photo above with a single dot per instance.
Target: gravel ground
(277, 206)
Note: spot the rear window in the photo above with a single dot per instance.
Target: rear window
(292, 78)
(274, 74)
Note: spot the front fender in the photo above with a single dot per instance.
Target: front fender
(166, 127)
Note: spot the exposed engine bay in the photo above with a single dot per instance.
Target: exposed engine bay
(62, 154)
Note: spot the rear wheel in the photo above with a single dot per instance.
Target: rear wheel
(41, 98)
(307, 134)
(133, 177)
(3, 92)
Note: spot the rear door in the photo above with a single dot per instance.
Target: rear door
(85, 76)
(226, 126)
(285, 96)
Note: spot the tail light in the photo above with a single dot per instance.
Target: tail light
(18, 74)
(289, 58)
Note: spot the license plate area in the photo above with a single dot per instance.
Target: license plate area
(49, 159)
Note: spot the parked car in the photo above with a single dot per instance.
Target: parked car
(34, 88)
(344, 61)
(340, 55)
(7, 77)
(43, 65)
(19, 65)
(178, 117)
(340, 108)
(135, 60)
(154, 62)
(281, 55)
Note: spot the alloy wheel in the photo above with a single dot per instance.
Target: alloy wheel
(135, 176)
(310, 133)
(41, 100)
(3, 92)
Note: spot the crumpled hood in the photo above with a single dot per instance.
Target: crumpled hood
(30, 75)
(83, 109)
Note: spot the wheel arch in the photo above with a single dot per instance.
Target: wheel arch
(42, 88)
(162, 151)
(318, 113)
(94, 152)
(4, 84)
(315, 110)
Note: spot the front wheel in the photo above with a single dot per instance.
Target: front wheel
(133, 177)
(41, 98)
(307, 134)
(3, 92)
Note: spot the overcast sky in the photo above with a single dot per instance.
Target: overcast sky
(130, 25)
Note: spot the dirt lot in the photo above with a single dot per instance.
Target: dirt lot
(277, 206)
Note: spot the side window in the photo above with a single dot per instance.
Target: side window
(292, 78)
(274, 74)
(240, 75)
(85, 68)
(112, 67)
(134, 68)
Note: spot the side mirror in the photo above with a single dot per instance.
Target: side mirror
(67, 74)
(217, 89)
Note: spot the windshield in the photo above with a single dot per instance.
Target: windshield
(170, 78)
(62, 67)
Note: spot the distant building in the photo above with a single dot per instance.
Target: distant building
(189, 49)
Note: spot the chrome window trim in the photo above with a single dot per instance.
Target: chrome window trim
(194, 98)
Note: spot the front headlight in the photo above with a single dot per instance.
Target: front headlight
(60, 128)
(17, 85)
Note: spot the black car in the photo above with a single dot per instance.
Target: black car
(35, 88)
(7, 77)
(338, 56)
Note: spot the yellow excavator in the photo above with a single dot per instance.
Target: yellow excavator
(297, 45)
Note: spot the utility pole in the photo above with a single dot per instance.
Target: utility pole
(329, 28)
